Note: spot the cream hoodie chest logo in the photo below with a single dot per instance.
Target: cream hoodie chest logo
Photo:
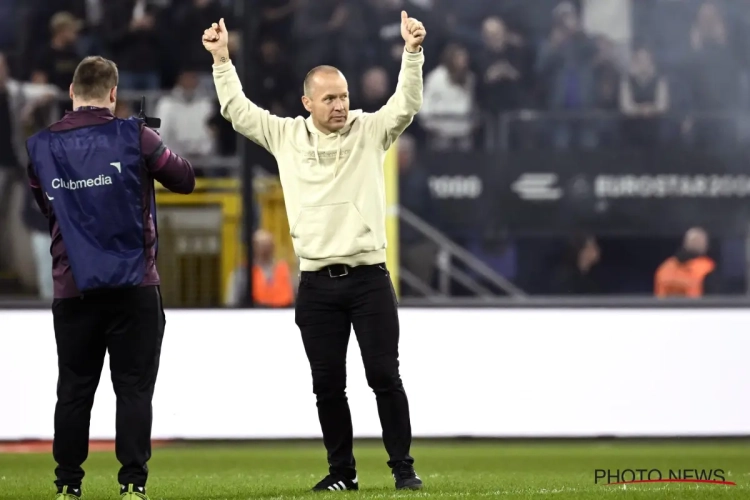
(327, 156)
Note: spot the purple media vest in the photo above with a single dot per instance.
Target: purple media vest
(173, 172)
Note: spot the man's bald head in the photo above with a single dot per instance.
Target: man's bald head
(326, 97)
(314, 75)
(696, 240)
(263, 246)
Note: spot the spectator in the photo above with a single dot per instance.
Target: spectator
(41, 242)
(449, 103)
(612, 19)
(376, 89)
(714, 79)
(278, 19)
(273, 285)
(276, 88)
(189, 20)
(689, 273)
(500, 66)
(565, 67)
(185, 115)
(644, 99)
(131, 31)
(56, 63)
(384, 28)
(577, 274)
(607, 76)
(123, 109)
(18, 103)
(665, 25)
(330, 32)
(716, 69)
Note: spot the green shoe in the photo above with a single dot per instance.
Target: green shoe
(74, 494)
(131, 492)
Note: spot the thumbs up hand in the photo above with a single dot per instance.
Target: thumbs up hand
(216, 40)
(412, 31)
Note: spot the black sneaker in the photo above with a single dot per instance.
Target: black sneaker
(132, 492)
(336, 482)
(68, 493)
(406, 478)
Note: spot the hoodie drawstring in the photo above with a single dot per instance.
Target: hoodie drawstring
(338, 155)
(316, 139)
(317, 155)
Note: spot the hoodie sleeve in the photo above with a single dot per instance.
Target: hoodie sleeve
(253, 122)
(390, 121)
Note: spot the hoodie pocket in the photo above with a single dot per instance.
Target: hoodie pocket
(330, 231)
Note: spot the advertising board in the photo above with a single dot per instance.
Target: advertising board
(467, 372)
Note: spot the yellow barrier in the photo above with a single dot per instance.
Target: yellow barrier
(273, 219)
(390, 167)
(199, 242)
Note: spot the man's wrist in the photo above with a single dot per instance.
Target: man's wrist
(221, 57)
(412, 49)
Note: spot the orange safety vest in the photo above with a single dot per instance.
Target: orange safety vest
(682, 279)
(276, 291)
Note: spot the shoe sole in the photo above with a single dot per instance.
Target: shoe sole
(411, 487)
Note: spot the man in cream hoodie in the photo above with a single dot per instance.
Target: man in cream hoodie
(331, 170)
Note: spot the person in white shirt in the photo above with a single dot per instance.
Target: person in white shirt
(185, 115)
(449, 107)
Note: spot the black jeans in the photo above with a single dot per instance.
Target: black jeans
(130, 325)
(326, 309)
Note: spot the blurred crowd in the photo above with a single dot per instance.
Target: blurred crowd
(658, 64)
(600, 73)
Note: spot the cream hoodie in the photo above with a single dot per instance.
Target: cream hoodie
(334, 187)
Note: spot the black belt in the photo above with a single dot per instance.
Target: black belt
(341, 270)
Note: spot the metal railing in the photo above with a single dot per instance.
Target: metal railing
(498, 128)
(449, 250)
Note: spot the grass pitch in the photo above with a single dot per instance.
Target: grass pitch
(465, 470)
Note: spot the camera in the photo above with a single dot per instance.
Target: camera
(150, 121)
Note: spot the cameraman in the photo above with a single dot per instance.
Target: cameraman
(92, 175)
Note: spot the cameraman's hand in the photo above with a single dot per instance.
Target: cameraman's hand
(216, 40)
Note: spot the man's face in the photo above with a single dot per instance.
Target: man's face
(69, 34)
(188, 81)
(375, 84)
(328, 102)
(405, 159)
(493, 32)
(270, 51)
(263, 248)
(590, 252)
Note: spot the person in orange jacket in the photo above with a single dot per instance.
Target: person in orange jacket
(272, 278)
(689, 273)
(273, 284)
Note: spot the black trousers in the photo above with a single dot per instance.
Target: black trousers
(129, 324)
(326, 309)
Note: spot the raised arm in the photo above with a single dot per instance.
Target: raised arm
(390, 121)
(248, 119)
